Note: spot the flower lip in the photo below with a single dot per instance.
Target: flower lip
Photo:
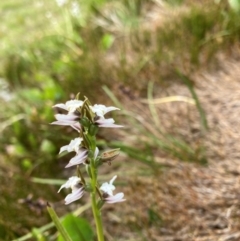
(116, 198)
(78, 159)
(74, 196)
(102, 122)
(67, 120)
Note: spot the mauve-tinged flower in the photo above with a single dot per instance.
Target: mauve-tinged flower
(102, 122)
(74, 196)
(77, 189)
(108, 189)
(115, 198)
(67, 120)
(70, 105)
(80, 158)
(101, 110)
(81, 153)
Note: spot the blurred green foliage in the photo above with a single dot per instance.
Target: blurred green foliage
(49, 52)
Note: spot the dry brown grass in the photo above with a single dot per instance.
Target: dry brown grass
(193, 202)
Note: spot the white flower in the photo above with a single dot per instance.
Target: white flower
(77, 189)
(72, 182)
(101, 110)
(108, 189)
(70, 105)
(81, 153)
(74, 145)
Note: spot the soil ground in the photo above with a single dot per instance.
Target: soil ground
(192, 202)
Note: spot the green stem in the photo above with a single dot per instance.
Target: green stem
(97, 217)
(96, 211)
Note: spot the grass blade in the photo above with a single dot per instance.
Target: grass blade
(58, 224)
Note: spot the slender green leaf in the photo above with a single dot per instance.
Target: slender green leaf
(188, 83)
(78, 228)
(58, 224)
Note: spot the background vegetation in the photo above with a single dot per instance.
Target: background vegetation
(121, 53)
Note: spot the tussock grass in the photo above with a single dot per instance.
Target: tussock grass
(126, 46)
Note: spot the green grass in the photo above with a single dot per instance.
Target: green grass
(43, 63)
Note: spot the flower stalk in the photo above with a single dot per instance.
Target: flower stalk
(86, 120)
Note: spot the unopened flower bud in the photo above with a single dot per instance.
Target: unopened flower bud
(109, 156)
(85, 122)
(93, 129)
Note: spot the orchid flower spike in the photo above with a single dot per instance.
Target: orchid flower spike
(108, 189)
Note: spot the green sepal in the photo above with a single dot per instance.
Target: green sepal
(98, 162)
(93, 130)
(86, 141)
(77, 96)
(100, 204)
(88, 170)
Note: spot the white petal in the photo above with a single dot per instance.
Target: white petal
(63, 123)
(63, 148)
(116, 198)
(75, 195)
(68, 117)
(72, 105)
(101, 110)
(71, 182)
(113, 179)
(102, 122)
(107, 188)
(74, 144)
(78, 159)
(61, 106)
(75, 125)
